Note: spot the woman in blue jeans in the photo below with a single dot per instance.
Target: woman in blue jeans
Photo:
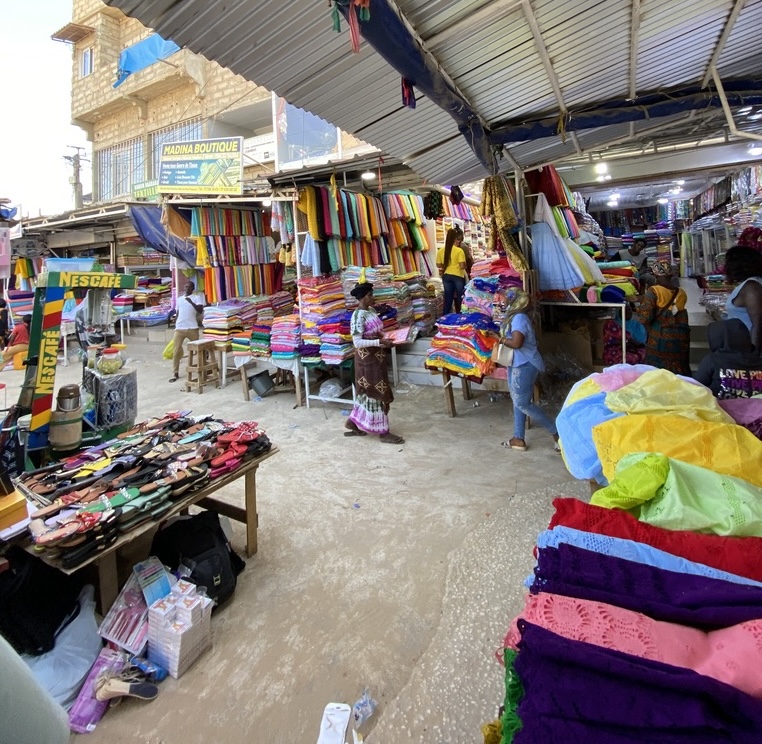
(452, 265)
(518, 334)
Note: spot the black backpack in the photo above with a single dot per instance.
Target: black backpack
(36, 602)
(199, 543)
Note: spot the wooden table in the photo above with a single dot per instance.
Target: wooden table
(106, 562)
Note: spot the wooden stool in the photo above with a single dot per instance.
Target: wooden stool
(202, 367)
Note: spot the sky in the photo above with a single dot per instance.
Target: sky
(35, 126)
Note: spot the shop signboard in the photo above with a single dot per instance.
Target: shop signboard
(211, 166)
(146, 190)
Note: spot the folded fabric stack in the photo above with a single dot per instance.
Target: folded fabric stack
(352, 275)
(388, 316)
(493, 266)
(652, 593)
(282, 303)
(423, 301)
(320, 298)
(480, 295)
(463, 344)
(20, 302)
(241, 344)
(285, 337)
(222, 322)
(261, 330)
(336, 338)
(122, 304)
(396, 295)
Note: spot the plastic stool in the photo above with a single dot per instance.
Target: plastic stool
(18, 360)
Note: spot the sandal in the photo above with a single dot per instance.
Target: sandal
(353, 430)
(515, 444)
(390, 438)
(174, 378)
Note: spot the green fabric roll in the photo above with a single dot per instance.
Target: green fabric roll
(514, 692)
(678, 496)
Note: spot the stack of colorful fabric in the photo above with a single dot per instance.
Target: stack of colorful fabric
(261, 330)
(285, 337)
(352, 275)
(122, 304)
(463, 344)
(396, 295)
(320, 298)
(336, 338)
(241, 344)
(645, 606)
(20, 302)
(222, 321)
(282, 303)
(493, 266)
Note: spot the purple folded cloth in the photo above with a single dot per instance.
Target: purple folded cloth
(577, 693)
(742, 410)
(664, 595)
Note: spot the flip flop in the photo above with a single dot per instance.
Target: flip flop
(353, 433)
(44, 536)
(392, 439)
(228, 467)
(233, 451)
(519, 447)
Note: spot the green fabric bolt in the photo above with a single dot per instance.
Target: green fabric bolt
(514, 692)
(675, 495)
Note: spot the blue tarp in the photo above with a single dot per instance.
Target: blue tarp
(142, 55)
(147, 222)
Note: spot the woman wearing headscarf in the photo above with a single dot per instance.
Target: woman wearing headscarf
(517, 333)
(665, 318)
(451, 262)
(373, 393)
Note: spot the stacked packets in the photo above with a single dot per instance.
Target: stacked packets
(463, 345)
(285, 337)
(336, 338)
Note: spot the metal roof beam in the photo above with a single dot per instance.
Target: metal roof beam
(732, 18)
(542, 51)
(634, 40)
(726, 108)
(488, 13)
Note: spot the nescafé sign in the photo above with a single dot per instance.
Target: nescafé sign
(91, 280)
(212, 166)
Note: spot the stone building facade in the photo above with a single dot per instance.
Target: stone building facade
(182, 97)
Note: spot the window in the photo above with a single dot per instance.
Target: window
(192, 129)
(86, 62)
(117, 168)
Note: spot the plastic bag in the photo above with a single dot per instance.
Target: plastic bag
(364, 708)
(169, 350)
(330, 389)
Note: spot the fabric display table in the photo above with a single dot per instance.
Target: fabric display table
(644, 611)
(93, 504)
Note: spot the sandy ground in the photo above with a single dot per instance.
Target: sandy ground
(392, 567)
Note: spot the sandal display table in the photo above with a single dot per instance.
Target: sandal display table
(106, 561)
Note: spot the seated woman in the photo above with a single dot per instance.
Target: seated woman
(635, 340)
(19, 340)
(665, 318)
(732, 369)
(743, 266)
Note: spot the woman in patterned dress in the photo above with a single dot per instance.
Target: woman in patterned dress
(663, 314)
(373, 393)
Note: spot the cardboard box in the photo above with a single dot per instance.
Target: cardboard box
(574, 344)
(12, 509)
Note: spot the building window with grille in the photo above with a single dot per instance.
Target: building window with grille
(117, 169)
(86, 62)
(191, 129)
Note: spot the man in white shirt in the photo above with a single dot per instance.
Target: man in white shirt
(186, 324)
(635, 254)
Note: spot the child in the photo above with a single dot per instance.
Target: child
(635, 339)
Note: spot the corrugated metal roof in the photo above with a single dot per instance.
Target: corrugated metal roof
(488, 50)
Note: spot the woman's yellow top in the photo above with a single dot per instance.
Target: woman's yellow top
(457, 257)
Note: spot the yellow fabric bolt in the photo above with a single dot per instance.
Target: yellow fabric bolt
(724, 448)
(661, 392)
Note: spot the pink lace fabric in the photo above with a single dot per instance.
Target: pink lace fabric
(731, 655)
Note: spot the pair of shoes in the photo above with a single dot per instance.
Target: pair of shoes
(128, 683)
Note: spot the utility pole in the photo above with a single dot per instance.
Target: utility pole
(76, 161)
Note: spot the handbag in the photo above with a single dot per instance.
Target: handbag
(502, 355)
